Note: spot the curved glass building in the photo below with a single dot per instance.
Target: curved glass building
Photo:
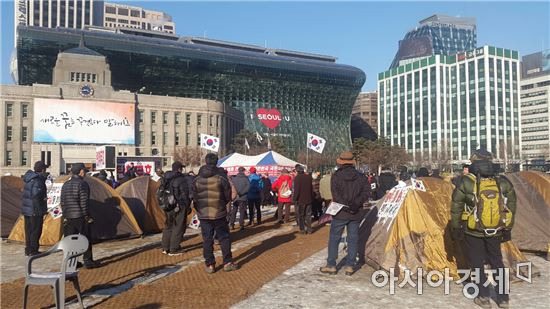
(280, 92)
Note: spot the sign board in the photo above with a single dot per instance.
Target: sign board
(392, 204)
(54, 201)
(105, 157)
(142, 165)
(83, 122)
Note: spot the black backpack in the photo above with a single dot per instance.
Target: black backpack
(165, 196)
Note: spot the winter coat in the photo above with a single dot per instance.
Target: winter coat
(386, 181)
(303, 189)
(242, 184)
(349, 187)
(463, 195)
(316, 189)
(266, 190)
(255, 187)
(75, 197)
(277, 186)
(179, 183)
(35, 195)
(211, 193)
(324, 187)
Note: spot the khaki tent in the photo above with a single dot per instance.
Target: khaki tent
(532, 221)
(140, 195)
(112, 216)
(12, 190)
(417, 234)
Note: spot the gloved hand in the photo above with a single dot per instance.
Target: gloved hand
(457, 234)
(89, 219)
(506, 235)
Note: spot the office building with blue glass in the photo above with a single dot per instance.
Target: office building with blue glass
(281, 93)
(437, 35)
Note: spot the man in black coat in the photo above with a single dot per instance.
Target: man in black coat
(303, 198)
(350, 188)
(34, 206)
(75, 198)
(176, 219)
(242, 185)
(386, 181)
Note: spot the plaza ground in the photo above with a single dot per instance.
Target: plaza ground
(278, 269)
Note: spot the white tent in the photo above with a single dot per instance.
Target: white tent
(271, 163)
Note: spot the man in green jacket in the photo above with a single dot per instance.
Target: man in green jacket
(468, 221)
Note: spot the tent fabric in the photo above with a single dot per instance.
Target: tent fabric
(531, 230)
(140, 195)
(271, 163)
(12, 191)
(419, 234)
(112, 217)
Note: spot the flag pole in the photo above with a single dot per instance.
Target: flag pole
(307, 157)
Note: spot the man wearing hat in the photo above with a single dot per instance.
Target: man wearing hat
(34, 206)
(242, 185)
(350, 188)
(482, 211)
(75, 197)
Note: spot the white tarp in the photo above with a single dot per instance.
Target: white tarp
(271, 163)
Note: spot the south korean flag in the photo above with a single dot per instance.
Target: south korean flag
(315, 142)
(210, 142)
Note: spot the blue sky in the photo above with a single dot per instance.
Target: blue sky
(362, 34)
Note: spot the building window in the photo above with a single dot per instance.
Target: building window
(153, 138)
(141, 138)
(164, 118)
(94, 78)
(9, 109)
(164, 161)
(123, 21)
(24, 134)
(140, 116)
(110, 19)
(211, 120)
(198, 139)
(153, 117)
(164, 138)
(24, 110)
(122, 11)
(73, 76)
(177, 118)
(24, 157)
(199, 120)
(135, 13)
(8, 158)
(8, 133)
(110, 9)
(187, 119)
(177, 142)
(217, 121)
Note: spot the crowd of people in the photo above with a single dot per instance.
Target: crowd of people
(479, 196)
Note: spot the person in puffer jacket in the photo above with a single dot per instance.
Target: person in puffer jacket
(283, 201)
(211, 193)
(34, 206)
(75, 198)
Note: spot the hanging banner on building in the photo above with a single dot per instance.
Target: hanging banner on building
(83, 122)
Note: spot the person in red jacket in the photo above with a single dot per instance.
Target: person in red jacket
(283, 186)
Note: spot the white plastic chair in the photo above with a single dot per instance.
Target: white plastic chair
(72, 247)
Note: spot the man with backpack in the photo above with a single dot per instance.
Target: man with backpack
(284, 195)
(174, 198)
(254, 198)
(242, 185)
(482, 214)
(211, 193)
